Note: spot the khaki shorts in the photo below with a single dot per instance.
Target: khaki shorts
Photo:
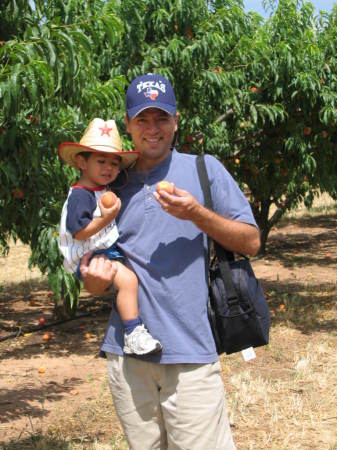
(170, 406)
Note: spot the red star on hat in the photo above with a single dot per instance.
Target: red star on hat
(105, 130)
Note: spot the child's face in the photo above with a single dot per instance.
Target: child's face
(99, 169)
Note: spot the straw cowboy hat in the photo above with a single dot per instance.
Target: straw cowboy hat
(100, 136)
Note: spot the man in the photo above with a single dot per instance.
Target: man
(174, 399)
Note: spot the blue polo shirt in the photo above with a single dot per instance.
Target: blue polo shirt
(168, 256)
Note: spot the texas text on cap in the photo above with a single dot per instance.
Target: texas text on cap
(150, 91)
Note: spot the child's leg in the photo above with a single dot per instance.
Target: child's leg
(137, 339)
(126, 284)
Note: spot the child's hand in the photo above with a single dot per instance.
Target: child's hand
(98, 223)
(110, 213)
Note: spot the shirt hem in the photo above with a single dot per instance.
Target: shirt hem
(165, 359)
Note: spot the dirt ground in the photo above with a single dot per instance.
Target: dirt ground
(57, 388)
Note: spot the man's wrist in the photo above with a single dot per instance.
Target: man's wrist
(202, 216)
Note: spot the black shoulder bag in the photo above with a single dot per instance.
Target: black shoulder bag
(237, 308)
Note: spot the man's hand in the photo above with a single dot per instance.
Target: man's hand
(99, 274)
(180, 204)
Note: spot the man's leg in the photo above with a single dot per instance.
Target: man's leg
(135, 394)
(170, 406)
(194, 407)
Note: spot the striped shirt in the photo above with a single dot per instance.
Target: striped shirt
(78, 211)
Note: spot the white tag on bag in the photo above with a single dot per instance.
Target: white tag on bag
(248, 354)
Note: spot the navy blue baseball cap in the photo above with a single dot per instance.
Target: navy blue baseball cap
(150, 91)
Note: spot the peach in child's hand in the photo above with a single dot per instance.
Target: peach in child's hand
(108, 199)
(165, 186)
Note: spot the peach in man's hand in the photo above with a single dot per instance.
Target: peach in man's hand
(165, 186)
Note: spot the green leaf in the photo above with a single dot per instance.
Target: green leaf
(253, 113)
(51, 51)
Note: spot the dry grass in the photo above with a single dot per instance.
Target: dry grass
(287, 400)
(14, 268)
(15, 276)
(283, 400)
(323, 204)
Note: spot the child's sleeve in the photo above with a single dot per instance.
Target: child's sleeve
(80, 210)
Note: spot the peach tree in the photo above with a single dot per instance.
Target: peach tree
(283, 135)
(54, 78)
(259, 95)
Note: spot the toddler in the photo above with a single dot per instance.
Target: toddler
(87, 225)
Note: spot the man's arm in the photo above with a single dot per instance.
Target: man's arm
(236, 236)
(233, 235)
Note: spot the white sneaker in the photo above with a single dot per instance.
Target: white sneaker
(140, 342)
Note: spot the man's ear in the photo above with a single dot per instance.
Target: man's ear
(176, 119)
(126, 120)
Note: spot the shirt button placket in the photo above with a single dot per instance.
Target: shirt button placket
(147, 197)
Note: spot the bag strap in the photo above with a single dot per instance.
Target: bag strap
(222, 254)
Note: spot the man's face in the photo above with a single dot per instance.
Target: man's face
(152, 132)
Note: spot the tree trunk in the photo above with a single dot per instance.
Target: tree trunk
(263, 223)
(63, 310)
(264, 236)
(266, 224)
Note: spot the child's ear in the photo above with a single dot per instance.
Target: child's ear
(81, 162)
